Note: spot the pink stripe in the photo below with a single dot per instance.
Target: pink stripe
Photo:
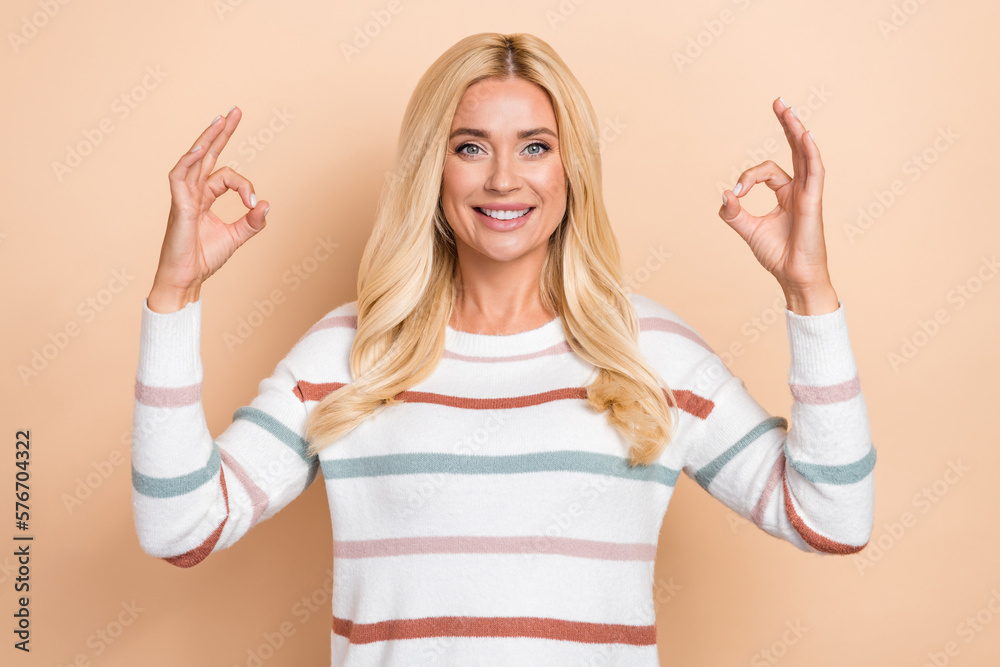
(834, 393)
(349, 321)
(660, 324)
(558, 348)
(567, 546)
(257, 495)
(765, 496)
(167, 397)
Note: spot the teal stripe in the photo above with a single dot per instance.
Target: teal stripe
(849, 473)
(708, 472)
(313, 469)
(168, 487)
(462, 464)
(277, 429)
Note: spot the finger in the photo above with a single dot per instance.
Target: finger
(227, 179)
(197, 151)
(801, 162)
(228, 123)
(786, 115)
(767, 172)
(788, 119)
(815, 171)
(794, 129)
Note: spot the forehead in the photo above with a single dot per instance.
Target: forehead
(504, 105)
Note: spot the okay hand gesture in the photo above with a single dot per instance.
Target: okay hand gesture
(197, 243)
(788, 241)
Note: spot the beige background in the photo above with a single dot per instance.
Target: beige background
(127, 86)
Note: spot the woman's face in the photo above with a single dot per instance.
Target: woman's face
(503, 159)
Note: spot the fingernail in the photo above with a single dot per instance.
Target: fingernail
(783, 102)
(230, 110)
(725, 201)
(793, 112)
(266, 210)
(253, 200)
(214, 120)
(811, 135)
(738, 188)
(194, 149)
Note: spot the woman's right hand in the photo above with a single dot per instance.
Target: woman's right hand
(197, 243)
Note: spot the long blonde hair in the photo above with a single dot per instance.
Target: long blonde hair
(406, 285)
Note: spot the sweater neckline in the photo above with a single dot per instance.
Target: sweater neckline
(490, 345)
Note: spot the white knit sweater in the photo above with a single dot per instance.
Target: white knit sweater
(491, 518)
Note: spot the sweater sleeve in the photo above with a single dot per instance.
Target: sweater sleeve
(192, 494)
(810, 483)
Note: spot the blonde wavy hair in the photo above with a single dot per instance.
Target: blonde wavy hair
(406, 281)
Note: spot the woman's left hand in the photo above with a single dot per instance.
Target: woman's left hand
(788, 241)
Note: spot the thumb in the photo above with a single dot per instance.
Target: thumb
(733, 214)
(251, 223)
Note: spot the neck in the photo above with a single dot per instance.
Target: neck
(498, 298)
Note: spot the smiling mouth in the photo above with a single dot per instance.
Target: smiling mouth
(505, 215)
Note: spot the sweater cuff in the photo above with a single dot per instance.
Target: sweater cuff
(170, 346)
(821, 351)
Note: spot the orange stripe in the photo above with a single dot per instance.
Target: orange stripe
(686, 400)
(812, 538)
(501, 626)
(309, 391)
(198, 554)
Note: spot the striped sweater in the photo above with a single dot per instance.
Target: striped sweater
(491, 518)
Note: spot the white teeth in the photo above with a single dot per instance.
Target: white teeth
(504, 215)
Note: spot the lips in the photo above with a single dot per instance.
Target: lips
(503, 213)
(504, 225)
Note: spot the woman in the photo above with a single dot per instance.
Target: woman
(498, 424)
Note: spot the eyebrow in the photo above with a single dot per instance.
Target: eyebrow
(523, 134)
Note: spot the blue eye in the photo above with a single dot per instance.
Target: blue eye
(541, 144)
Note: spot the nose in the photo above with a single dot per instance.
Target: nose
(503, 174)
